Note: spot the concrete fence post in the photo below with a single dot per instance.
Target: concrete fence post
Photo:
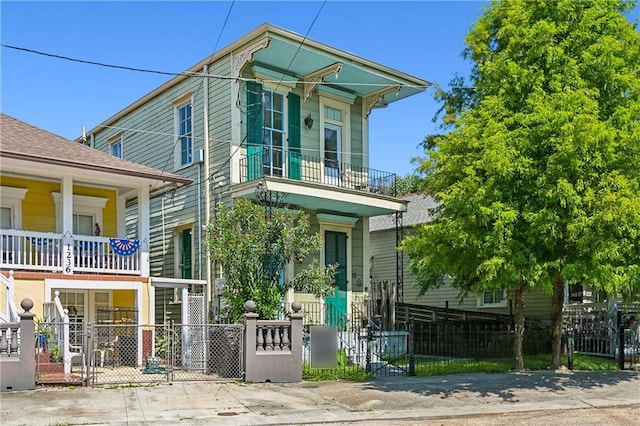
(19, 373)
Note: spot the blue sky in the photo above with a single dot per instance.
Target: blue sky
(421, 38)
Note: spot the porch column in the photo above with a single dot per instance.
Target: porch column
(66, 190)
(121, 226)
(143, 229)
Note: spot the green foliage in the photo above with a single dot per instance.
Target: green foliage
(539, 178)
(352, 373)
(47, 338)
(408, 184)
(254, 248)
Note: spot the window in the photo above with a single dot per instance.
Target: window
(185, 134)
(5, 217)
(332, 145)
(492, 299)
(273, 133)
(11, 207)
(87, 213)
(83, 224)
(115, 147)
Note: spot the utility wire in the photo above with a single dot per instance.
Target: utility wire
(204, 75)
(122, 67)
(224, 164)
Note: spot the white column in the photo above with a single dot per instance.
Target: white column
(143, 229)
(66, 190)
(121, 226)
(236, 134)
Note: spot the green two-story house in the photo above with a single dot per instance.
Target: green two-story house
(274, 117)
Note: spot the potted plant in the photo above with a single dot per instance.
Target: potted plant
(46, 339)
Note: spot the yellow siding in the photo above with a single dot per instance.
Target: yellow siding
(124, 298)
(39, 211)
(32, 289)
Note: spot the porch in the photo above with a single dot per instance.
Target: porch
(55, 252)
(307, 168)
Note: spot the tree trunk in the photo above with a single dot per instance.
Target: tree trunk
(556, 321)
(519, 327)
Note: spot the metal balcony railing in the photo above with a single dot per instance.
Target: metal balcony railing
(299, 167)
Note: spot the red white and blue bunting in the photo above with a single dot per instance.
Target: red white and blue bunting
(123, 246)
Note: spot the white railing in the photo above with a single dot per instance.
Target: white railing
(45, 251)
(10, 313)
(98, 254)
(27, 250)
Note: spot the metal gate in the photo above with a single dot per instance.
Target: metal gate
(125, 354)
(365, 342)
(601, 330)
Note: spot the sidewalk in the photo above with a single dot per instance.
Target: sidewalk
(391, 398)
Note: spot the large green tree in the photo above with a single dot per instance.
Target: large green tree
(254, 246)
(538, 174)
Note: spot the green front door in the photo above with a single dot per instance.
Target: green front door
(335, 252)
(186, 255)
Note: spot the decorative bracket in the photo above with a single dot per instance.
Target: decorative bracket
(371, 100)
(312, 80)
(245, 56)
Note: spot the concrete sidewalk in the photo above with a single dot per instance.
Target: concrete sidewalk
(393, 398)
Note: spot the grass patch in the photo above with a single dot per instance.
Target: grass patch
(352, 373)
(531, 363)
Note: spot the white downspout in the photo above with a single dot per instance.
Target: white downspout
(207, 189)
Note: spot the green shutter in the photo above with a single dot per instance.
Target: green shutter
(295, 160)
(254, 130)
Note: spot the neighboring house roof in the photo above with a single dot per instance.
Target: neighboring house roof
(418, 207)
(293, 57)
(24, 142)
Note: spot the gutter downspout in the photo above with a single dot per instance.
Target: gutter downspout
(207, 187)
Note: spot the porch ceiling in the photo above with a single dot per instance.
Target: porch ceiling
(357, 75)
(321, 198)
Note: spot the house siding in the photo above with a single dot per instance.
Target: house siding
(39, 209)
(537, 304)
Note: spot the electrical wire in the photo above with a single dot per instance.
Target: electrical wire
(224, 164)
(122, 67)
(215, 49)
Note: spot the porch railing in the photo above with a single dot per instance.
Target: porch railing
(306, 168)
(44, 251)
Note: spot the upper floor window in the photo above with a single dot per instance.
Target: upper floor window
(185, 134)
(5, 217)
(83, 224)
(273, 132)
(11, 207)
(115, 147)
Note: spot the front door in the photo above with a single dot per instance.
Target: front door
(186, 258)
(335, 252)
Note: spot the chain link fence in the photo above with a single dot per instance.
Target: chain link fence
(128, 354)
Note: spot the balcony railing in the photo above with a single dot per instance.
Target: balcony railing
(46, 252)
(307, 168)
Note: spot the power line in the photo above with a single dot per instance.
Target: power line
(199, 74)
(204, 75)
(224, 164)
(122, 67)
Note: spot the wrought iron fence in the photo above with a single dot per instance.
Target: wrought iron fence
(308, 168)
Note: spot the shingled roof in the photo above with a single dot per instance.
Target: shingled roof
(418, 208)
(22, 141)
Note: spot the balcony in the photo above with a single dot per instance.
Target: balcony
(52, 252)
(263, 162)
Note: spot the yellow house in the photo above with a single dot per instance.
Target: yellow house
(75, 223)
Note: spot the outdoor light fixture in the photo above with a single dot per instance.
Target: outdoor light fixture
(308, 121)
